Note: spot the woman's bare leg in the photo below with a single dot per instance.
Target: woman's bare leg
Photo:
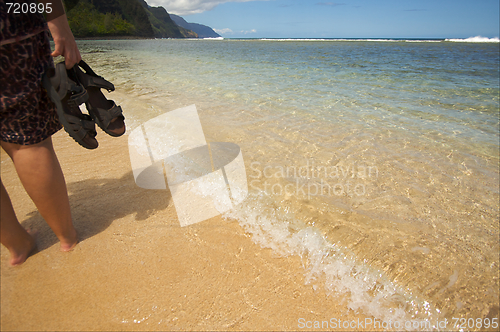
(43, 179)
(13, 236)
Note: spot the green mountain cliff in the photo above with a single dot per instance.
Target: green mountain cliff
(201, 30)
(118, 18)
(163, 25)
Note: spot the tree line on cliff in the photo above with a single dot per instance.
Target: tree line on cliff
(114, 18)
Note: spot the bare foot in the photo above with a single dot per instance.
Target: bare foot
(69, 243)
(17, 257)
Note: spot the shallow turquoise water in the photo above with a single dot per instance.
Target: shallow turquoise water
(376, 161)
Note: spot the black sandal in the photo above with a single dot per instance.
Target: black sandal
(68, 95)
(108, 116)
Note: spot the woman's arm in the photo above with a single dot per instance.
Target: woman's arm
(64, 40)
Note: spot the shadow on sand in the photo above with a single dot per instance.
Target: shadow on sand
(96, 203)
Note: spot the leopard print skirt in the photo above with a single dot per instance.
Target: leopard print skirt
(27, 116)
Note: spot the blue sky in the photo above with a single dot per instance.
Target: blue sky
(342, 18)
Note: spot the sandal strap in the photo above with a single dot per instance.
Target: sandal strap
(115, 111)
(67, 95)
(81, 126)
(90, 79)
(107, 115)
(60, 80)
(64, 86)
(98, 82)
(78, 98)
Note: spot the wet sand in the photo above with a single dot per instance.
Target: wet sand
(137, 269)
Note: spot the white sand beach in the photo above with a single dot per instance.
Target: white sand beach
(135, 268)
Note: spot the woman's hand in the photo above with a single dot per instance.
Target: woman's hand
(64, 41)
(62, 35)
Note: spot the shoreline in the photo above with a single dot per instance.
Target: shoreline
(112, 38)
(135, 268)
(138, 261)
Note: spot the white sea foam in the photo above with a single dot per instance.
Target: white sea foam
(294, 39)
(354, 40)
(153, 91)
(335, 267)
(476, 39)
(370, 40)
(330, 40)
(207, 38)
(423, 41)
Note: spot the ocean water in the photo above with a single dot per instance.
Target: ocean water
(377, 162)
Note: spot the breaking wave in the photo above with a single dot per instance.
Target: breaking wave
(476, 39)
(331, 266)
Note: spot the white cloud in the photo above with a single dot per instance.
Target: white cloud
(188, 7)
(228, 31)
(225, 31)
